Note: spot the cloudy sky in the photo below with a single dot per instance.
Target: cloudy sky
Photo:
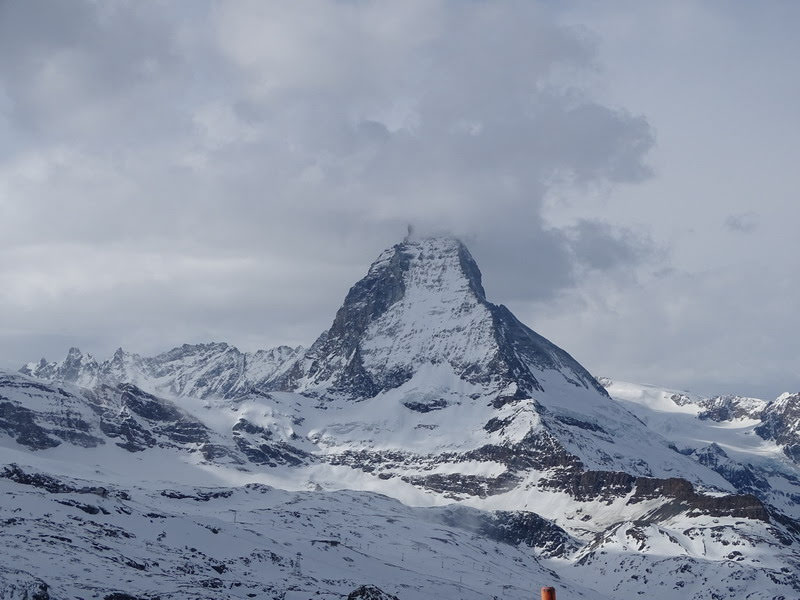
(624, 173)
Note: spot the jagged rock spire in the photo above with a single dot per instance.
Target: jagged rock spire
(421, 303)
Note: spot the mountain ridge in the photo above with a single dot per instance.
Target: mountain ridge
(424, 391)
(200, 370)
(440, 278)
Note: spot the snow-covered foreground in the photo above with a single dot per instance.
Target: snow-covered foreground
(190, 516)
(89, 541)
(251, 541)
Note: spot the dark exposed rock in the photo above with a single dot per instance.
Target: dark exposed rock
(744, 477)
(366, 301)
(135, 438)
(45, 482)
(726, 408)
(680, 399)
(781, 423)
(185, 431)
(744, 506)
(249, 427)
(722, 408)
(424, 407)
(260, 447)
(370, 592)
(22, 585)
(78, 438)
(495, 424)
(198, 496)
(538, 451)
(511, 527)
(38, 430)
(368, 460)
(55, 486)
(272, 454)
(20, 423)
(91, 509)
(41, 430)
(520, 527)
(520, 346)
(611, 485)
(790, 525)
(21, 383)
(590, 485)
(213, 452)
(572, 422)
(502, 400)
(792, 451)
(456, 485)
(145, 420)
(147, 405)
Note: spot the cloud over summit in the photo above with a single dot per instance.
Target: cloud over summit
(176, 147)
(184, 171)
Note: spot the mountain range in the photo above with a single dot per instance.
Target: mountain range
(428, 444)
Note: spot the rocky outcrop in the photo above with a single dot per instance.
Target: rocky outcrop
(727, 408)
(744, 477)
(679, 494)
(781, 423)
(138, 420)
(261, 447)
(370, 592)
(19, 585)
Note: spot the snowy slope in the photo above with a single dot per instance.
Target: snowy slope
(421, 391)
(251, 541)
(750, 442)
(92, 540)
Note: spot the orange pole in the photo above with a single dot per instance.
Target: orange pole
(548, 593)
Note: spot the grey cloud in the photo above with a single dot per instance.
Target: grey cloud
(600, 246)
(708, 333)
(746, 222)
(230, 169)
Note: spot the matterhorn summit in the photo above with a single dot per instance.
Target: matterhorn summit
(420, 305)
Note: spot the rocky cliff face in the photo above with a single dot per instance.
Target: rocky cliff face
(421, 303)
(781, 423)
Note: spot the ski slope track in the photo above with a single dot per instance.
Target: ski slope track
(427, 445)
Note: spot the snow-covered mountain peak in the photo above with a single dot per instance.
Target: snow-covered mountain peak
(787, 398)
(214, 369)
(76, 367)
(437, 264)
(781, 423)
(422, 303)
